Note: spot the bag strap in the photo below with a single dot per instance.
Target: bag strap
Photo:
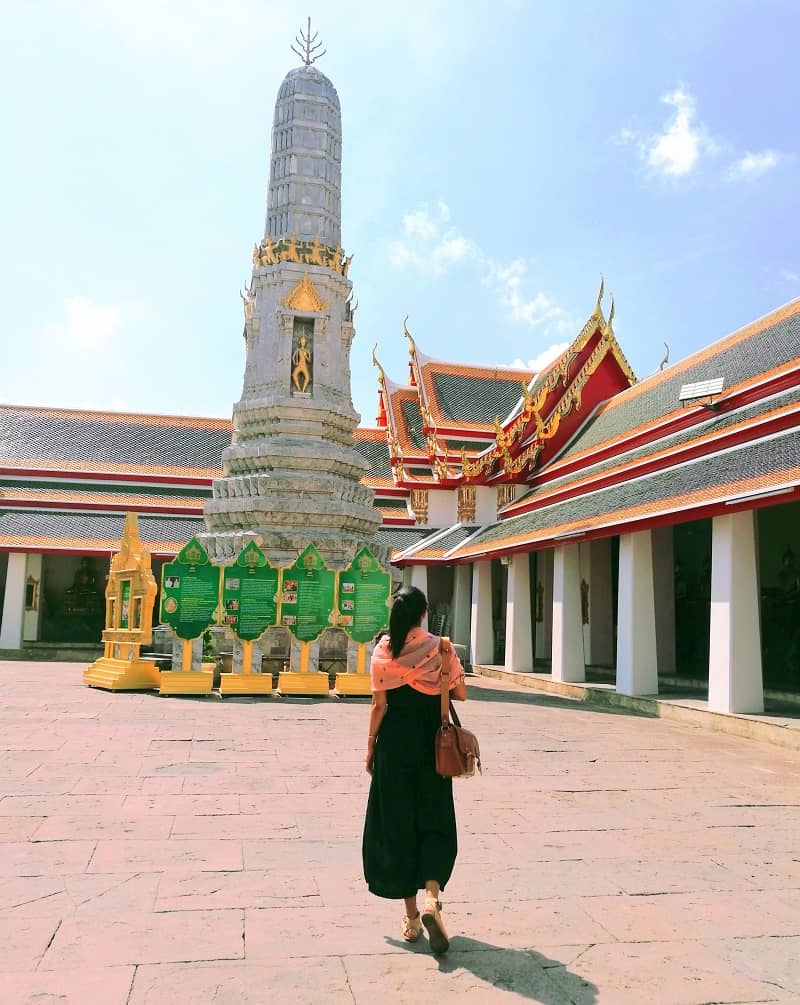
(447, 705)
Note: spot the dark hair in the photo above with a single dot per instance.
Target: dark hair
(407, 611)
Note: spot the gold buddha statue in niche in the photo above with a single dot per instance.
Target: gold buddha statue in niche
(301, 361)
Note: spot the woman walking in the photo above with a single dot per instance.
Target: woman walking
(410, 839)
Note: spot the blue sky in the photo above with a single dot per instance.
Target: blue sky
(498, 156)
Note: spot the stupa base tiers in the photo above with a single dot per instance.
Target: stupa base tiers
(311, 683)
(187, 682)
(355, 684)
(245, 683)
(122, 675)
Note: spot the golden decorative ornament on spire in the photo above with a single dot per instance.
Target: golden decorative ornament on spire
(381, 374)
(304, 296)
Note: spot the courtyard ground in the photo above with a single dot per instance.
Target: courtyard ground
(169, 850)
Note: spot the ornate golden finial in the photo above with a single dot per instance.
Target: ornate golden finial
(665, 360)
(527, 397)
(381, 374)
(597, 307)
(412, 346)
(309, 46)
(611, 312)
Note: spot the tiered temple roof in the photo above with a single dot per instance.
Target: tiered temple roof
(590, 451)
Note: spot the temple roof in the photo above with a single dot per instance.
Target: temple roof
(681, 493)
(58, 437)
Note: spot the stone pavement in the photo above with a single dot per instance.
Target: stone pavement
(192, 850)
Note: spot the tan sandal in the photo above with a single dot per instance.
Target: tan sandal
(432, 920)
(411, 928)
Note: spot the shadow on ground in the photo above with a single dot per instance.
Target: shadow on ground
(545, 701)
(522, 972)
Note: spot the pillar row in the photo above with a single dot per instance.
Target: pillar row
(481, 629)
(637, 665)
(568, 660)
(519, 635)
(735, 682)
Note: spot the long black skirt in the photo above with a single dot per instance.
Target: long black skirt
(410, 827)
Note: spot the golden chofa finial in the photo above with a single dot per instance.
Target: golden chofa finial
(308, 46)
(381, 374)
(597, 308)
(611, 313)
(412, 346)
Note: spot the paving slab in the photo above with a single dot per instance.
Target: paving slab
(196, 850)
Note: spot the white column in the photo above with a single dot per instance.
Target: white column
(481, 630)
(31, 620)
(568, 661)
(735, 682)
(637, 669)
(462, 602)
(598, 634)
(664, 586)
(544, 628)
(419, 577)
(14, 602)
(519, 635)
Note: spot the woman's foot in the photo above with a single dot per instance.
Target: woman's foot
(412, 927)
(432, 920)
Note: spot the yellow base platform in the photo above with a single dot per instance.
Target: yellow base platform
(187, 682)
(122, 675)
(290, 682)
(245, 683)
(352, 683)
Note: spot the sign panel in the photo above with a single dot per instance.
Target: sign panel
(190, 591)
(364, 591)
(250, 594)
(307, 596)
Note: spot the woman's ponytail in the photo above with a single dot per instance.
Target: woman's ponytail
(407, 610)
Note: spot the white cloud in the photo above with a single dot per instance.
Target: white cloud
(538, 310)
(86, 324)
(753, 165)
(544, 359)
(428, 243)
(432, 245)
(677, 148)
(790, 275)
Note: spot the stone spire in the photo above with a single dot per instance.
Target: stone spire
(292, 474)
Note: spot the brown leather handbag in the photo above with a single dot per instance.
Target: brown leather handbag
(457, 750)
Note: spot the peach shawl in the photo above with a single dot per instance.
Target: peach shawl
(418, 665)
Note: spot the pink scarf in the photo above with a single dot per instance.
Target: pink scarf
(419, 664)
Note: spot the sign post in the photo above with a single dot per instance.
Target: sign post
(189, 603)
(307, 598)
(249, 608)
(362, 611)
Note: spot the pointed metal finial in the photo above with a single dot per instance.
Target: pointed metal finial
(309, 46)
(600, 294)
(412, 345)
(381, 374)
(611, 312)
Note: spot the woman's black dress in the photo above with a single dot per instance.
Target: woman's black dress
(410, 829)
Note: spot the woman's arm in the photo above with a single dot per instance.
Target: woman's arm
(376, 714)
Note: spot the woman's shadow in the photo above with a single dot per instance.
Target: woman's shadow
(523, 972)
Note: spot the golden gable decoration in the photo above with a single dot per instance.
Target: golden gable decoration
(304, 296)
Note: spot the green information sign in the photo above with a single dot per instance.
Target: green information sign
(307, 596)
(364, 591)
(189, 591)
(250, 594)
